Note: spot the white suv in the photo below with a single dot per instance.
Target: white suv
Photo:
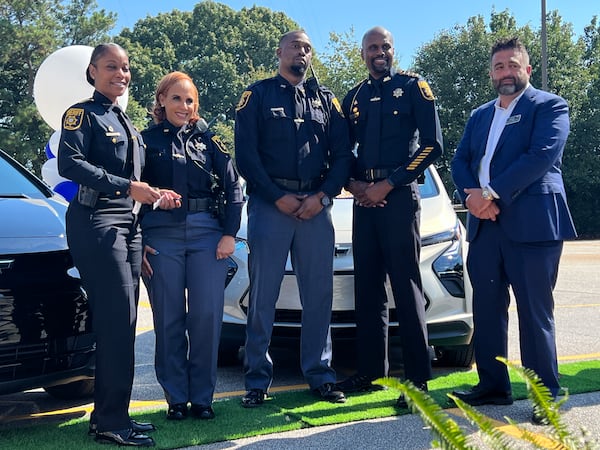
(445, 282)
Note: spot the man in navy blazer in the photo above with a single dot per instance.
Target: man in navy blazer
(507, 168)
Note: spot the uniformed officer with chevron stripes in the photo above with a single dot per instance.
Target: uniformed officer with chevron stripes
(393, 120)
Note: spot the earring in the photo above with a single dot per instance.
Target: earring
(162, 106)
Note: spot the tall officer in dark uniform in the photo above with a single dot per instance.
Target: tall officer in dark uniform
(292, 147)
(186, 249)
(392, 118)
(101, 151)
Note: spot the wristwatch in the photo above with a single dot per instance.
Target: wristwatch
(325, 201)
(487, 194)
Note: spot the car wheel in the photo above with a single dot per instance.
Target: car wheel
(230, 354)
(70, 391)
(456, 356)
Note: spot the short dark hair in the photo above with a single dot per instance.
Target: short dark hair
(98, 51)
(512, 43)
(284, 36)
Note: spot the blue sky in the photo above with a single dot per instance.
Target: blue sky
(412, 23)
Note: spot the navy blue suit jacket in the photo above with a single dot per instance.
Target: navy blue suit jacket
(525, 170)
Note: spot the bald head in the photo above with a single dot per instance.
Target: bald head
(378, 31)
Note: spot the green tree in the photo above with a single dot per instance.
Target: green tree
(30, 31)
(223, 50)
(341, 67)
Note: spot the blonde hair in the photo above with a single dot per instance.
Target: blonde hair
(158, 111)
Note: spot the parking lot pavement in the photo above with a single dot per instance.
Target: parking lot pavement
(408, 432)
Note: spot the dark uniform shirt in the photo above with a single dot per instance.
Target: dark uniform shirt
(272, 140)
(95, 150)
(403, 137)
(173, 157)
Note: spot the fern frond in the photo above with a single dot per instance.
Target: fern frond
(490, 432)
(450, 435)
(544, 404)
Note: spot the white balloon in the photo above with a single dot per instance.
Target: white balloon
(60, 82)
(53, 143)
(50, 173)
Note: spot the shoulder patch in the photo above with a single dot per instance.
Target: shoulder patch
(73, 119)
(215, 140)
(243, 100)
(425, 90)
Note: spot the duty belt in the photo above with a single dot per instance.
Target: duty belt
(199, 204)
(375, 174)
(298, 185)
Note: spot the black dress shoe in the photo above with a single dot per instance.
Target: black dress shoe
(401, 402)
(538, 418)
(328, 392)
(358, 383)
(254, 398)
(478, 396)
(202, 412)
(127, 438)
(177, 411)
(138, 427)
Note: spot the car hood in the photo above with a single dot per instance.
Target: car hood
(31, 225)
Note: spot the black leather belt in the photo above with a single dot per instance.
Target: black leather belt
(375, 174)
(199, 204)
(298, 185)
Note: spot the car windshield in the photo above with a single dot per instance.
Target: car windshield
(13, 183)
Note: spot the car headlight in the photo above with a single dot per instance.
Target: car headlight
(448, 267)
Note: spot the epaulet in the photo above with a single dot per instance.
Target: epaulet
(360, 83)
(408, 73)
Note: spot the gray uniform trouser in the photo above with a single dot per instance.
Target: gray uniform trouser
(187, 327)
(271, 236)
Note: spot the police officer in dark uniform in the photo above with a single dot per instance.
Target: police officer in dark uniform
(392, 118)
(101, 151)
(186, 249)
(292, 148)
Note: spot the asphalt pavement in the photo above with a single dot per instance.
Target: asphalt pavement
(408, 432)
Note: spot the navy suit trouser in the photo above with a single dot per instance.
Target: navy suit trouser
(273, 235)
(496, 263)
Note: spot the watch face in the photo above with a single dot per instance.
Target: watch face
(325, 201)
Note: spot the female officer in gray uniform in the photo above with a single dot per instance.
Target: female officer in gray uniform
(101, 151)
(186, 248)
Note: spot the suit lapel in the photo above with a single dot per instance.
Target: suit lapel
(521, 109)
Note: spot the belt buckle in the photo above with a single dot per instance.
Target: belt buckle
(370, 174)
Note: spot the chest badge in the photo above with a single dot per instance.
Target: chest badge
(398, 92)
(200, 146)
(316, 103)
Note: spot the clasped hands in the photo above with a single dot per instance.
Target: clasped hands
(479, 206)
(300, 207)
(370, 194)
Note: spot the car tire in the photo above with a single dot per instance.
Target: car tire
(456, 356)
(230, 354)
(71, 391)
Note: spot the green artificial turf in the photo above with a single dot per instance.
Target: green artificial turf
(283, 411)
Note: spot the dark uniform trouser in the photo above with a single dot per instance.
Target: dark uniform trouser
(187, 329)
(106, 249)
(271, 236)
(531, 269)
(387, 241)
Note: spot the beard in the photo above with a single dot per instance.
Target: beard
(509, 89)
(298, 69)
(381, 69)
